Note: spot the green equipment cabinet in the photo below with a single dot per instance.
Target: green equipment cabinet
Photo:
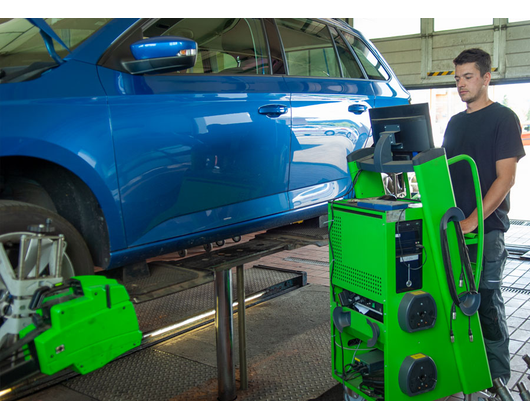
(403, 301)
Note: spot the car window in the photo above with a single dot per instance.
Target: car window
(308, 48)
(373, 67)
(350, 67)
(228, 46)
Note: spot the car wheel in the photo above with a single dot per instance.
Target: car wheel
(16, 216)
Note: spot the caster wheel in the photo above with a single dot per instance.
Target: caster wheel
(236, 238)
(220, 243)
(208, 247)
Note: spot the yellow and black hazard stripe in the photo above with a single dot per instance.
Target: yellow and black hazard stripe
(441, 73)
(448, 73)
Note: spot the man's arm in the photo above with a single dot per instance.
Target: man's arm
(499, 189)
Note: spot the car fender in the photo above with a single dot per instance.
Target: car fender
(103, 185)
(57, 119)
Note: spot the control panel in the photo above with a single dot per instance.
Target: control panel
(409, 256)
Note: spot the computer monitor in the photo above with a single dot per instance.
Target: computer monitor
(411, 125)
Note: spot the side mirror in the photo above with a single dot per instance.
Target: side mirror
(162, 53)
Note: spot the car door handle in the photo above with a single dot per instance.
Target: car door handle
(357, 109)
(272, 110)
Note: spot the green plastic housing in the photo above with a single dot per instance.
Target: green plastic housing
(89, 331)
(363, 262)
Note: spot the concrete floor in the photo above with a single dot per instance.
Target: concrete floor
(287, 337)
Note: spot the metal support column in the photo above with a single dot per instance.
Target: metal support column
(242, 328)
(224, 327)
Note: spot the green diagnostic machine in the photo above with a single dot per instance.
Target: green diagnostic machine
(404, 293)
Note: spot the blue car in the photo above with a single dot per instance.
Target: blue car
(139, 137)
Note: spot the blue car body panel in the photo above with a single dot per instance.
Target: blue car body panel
(180, 160)
(194, 145)
(67, 125)
(323, 128)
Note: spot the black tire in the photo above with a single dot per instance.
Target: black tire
(28, 191)
(16, 216)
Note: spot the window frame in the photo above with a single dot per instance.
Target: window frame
(339, 65)
(352, 52)
(119, 51)
(369, 47)
(340, 29)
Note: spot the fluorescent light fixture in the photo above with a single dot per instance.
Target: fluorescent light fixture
(5, 391)
(197, 318)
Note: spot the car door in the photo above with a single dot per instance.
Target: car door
(330, 98)
(205, 147)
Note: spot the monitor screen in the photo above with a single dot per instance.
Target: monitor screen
(412, 123)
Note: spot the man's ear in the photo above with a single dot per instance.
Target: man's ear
(487, 78)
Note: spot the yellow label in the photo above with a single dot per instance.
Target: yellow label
(418, 356)
(417, 292)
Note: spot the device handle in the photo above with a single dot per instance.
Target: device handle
(469, 301)
(480, 211)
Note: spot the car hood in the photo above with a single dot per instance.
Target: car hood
(48, 35)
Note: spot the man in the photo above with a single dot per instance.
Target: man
(491, 134)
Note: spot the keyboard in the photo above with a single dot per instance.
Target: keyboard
(382, 205)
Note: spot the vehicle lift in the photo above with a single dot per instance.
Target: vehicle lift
(404, 294)
(52, 324)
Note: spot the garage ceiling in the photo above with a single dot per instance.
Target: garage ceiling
(425, 60)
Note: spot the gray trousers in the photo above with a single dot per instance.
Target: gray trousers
(491, 311)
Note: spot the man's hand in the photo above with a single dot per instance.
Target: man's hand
(499, 189)
(470, 224)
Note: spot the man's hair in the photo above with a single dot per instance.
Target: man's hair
(475, 55)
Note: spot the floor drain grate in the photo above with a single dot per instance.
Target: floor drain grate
(308, 262)
(520, 223)
(515, 290)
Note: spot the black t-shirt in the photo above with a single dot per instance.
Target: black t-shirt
(488, 135)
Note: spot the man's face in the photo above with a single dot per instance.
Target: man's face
(470, 84)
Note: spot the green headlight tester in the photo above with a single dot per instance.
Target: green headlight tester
(88, 325)
(403, 294)
(56, 323)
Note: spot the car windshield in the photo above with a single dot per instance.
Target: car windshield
(21, 44)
